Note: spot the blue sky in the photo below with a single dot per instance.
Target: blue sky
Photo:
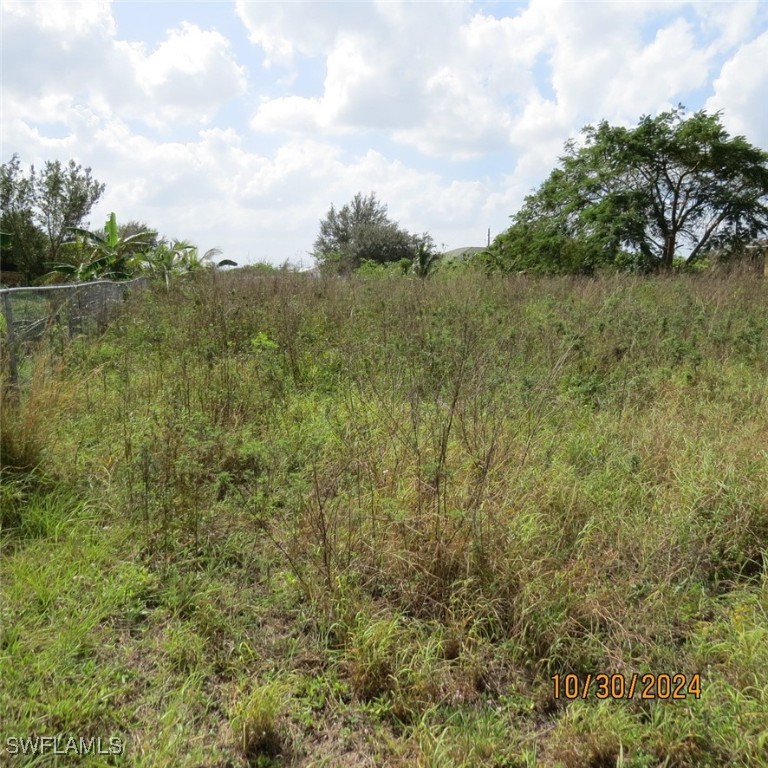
(237, 124)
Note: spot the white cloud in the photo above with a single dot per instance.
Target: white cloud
(45, 47)
(284, 30)
(66, 17)
(385, 69)
(450, 114)
(290, 115)
(456, 84)
(729, 24)
(375, 61)
(216, 192)
(741, 91)
(70, 48)
(189, 76)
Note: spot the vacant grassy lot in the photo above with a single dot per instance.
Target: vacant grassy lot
(285, 521)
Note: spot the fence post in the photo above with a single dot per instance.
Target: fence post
(10, 337)
(71, 307)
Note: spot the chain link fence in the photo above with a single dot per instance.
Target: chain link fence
(29, 314)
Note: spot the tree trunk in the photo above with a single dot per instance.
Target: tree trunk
(668, 252)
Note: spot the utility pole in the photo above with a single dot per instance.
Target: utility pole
(489, 237)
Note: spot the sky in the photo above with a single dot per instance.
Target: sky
(237, 124)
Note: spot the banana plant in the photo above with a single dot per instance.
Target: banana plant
(178, 257)
(107, 256)
(206, 261)
(168, 258)
(196, 261)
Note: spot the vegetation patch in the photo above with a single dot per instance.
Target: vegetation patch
(274, 519)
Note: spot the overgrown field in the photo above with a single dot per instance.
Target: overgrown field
(286, 521)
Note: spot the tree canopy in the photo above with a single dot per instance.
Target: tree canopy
(672, 187)
(25, 247)
(362, 231)
(40, 209)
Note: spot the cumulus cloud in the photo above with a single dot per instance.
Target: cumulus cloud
(726, 25)
(671, 64)
(386, 69)
(70, 48)
(239, 130)
(741, 91)
(68, 17)
(285, 30)
(455, 83)
(190, 74)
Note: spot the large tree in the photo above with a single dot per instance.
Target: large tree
(40, 209)
(673, 186)
(26, 247)
(64, 196)
(361, 231)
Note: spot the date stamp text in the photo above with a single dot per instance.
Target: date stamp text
(645, 686)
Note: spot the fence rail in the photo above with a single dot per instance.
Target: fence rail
(74, 309)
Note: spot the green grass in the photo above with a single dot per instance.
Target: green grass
(274, 520)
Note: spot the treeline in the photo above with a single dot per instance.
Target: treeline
(675, 190)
